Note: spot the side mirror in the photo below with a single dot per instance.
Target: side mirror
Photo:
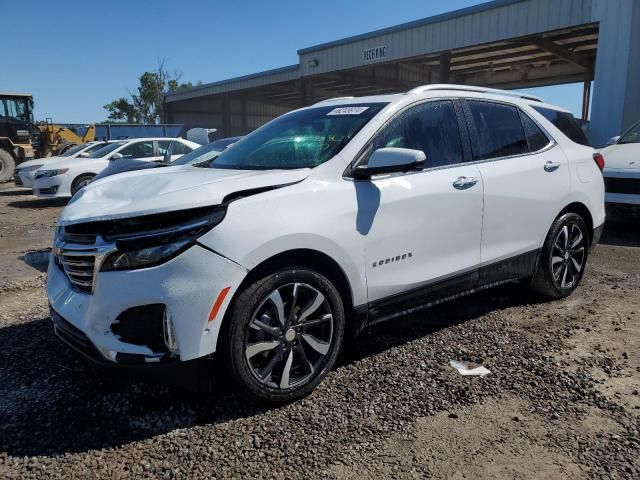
(83, 155)
(613, 140)
(116, 156)
(390, 160)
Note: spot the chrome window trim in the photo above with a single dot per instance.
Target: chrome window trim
(347, 175)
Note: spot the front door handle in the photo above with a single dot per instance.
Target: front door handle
(551, 166)
(465, 182)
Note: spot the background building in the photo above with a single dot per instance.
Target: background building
(502, 44)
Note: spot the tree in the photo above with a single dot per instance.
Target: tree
(146, 105)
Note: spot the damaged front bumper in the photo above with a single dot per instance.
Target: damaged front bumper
(123, 322)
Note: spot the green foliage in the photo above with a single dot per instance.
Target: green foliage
(146, 105)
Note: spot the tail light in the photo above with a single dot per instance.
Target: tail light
(599, 159)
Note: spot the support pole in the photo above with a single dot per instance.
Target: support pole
(226, 116)
(245, 119)
(445, 67)
(586, 92)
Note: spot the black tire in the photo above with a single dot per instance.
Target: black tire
(7, 166)
(301, 353)
(565, 249)
(81, 181)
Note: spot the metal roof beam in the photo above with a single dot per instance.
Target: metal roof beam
(561, 51)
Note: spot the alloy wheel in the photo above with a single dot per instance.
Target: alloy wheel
(289, 336)
(568, 256)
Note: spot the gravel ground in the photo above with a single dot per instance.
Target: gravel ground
(562, 400)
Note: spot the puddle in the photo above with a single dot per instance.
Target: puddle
(38, 259)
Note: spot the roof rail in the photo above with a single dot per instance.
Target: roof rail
(465, 88)
(332, 99)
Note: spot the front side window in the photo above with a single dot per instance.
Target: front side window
(632, 135)
(179, 148)
(430, 127)
(302, 139)
(138, 150)
(500, 131)
(565, 122)
(163, 147)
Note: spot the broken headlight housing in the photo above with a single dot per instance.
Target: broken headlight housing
(149, 241)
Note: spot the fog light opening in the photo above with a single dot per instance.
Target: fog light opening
(169, 334)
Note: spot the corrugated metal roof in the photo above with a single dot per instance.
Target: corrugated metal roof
(267, 77)
(413, 24)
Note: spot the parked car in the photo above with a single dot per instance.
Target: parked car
(328, 219)
(200, 157)
(26, 171)
(64, 177)
(622, 174)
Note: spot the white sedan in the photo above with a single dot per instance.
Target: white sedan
(64, 177)
(25, 172)
(622, 172)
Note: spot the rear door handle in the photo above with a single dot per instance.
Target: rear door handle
(465, 182)
(551, 166)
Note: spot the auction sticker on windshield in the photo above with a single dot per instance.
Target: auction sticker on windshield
(347, 111)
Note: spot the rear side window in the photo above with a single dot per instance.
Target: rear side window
(566, 123)
(500, 131)
(430, 127)
(536, 138)
(179, 148)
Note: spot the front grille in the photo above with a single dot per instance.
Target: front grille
(48, 191)
(79, 268)
(622, 185)
(79, 256)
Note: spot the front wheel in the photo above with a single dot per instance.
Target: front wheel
(285, 334)
(563, 258)
(81, 182)
(7, 166)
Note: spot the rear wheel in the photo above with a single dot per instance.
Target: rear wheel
(563, 258)
(7, 166)
(284, 335)
(81, 182)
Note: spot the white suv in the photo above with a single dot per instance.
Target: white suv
(325, 220)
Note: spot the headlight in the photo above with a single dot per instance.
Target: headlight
(144, 257)
(139, 249)
(51, 173)
(28, 169)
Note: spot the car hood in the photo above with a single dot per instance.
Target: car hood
(65, 162)
(624, 156)
(145, 192)
(38, 161)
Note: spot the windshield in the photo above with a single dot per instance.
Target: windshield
(106, 150)
(632, 135)
(302, 139)
(205, 153)
(19, 108)
(73, 150)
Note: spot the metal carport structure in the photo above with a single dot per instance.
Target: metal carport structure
(502, 44)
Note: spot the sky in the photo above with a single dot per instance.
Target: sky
(82, 55)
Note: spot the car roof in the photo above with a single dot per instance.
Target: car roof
(450, 90)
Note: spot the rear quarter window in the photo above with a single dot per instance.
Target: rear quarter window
(566, 123)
